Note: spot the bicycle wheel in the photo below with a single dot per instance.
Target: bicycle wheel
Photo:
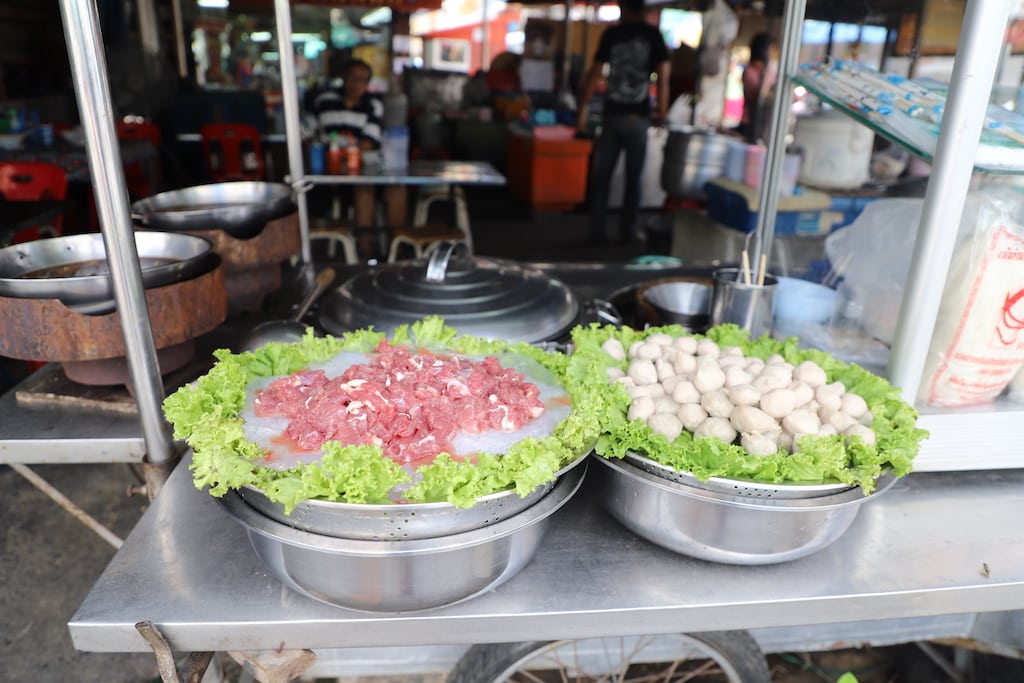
(712, 657)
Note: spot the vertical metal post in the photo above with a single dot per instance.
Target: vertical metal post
(563, 88)
(149, 32)
(792, 29)
(977, 56)
(485, 33)
(293, 131)
(89, 73)
(179, 39)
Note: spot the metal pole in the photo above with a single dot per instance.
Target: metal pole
(563, 88)
(792, 27)
(179, 40)
(485, 40)
(89, 73)
(293, 131)
(149, 32)
(977, 56)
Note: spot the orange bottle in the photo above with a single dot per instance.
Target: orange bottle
(335, 156)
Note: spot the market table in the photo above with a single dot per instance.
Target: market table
(73, 159)
(938, 546)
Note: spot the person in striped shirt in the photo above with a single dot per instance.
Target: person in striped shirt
(354, 111)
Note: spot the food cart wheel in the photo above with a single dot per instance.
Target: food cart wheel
(709, 657)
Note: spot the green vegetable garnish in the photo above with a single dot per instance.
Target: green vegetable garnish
(818, 460)
(207, 415)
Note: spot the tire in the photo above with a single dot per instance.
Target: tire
(714, 656)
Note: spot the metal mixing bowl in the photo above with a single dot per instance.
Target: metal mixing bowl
(399, 521)
(407, 575)
(721, 527)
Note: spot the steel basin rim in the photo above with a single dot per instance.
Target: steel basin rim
(560, 494)
(853, 496)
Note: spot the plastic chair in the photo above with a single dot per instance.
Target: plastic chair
(32, 181)
(233, 151)
(142, 178)
(427, 195)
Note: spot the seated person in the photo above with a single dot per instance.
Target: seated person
(356, 112)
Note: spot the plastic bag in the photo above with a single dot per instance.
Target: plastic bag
(978, 343)
(720, 28)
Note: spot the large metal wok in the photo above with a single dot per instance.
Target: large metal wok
(240, 208)
(74, 268)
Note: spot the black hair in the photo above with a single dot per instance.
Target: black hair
(353, 63)
(632, 6)
(760, 44)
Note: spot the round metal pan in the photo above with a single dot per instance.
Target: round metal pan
(74, 270)
(240, 209)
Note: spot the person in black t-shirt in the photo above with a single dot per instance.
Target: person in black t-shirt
(632, 51)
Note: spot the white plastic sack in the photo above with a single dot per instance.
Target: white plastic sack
(978, 343)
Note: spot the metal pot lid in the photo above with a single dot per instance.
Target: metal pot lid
(477, 296)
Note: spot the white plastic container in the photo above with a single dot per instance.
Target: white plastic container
(836, 150)
(395, 148)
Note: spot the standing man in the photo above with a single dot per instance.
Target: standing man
(354, 111)
(632, 50)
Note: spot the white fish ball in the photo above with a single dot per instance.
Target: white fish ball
(706, 347)
(801, 421)
(643, 371)
(735, 376)
(684, 363)
(614, 373)
(727, 362)
(660, 338)
(759, 444)
(666, 424)
(802, 393)
(841, 420)
(778, 402)
(669, 383)
(744, 395)
(827, 429)
(718, 427)
(652, 390)
(626, 381)
(783, 371)
(765, 383)
(810, 373)
(853, 405)
(828, 398)
(648, 351)
(686, 344)
(685, 392)
(691, 415)
(664, 369)
(665, 404)
(867, 419)
(786, 441)
(866, 434)
(775, 358)
(708, 377)
(614, 348)
(751, 420)
(641, 408)
(633, 348)
(755, 366)
(717, 403)
(732, 351)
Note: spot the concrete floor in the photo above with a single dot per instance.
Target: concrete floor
(49, 561)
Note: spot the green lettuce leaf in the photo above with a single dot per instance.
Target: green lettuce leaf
(819, 459)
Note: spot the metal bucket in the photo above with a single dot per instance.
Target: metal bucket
(693, 157)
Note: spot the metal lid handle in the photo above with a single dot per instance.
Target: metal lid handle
(437, 265)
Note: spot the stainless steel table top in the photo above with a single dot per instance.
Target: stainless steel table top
(935, 544)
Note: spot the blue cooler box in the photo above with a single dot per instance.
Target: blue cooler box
(808, 213)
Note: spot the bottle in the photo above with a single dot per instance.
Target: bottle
(353, 157)
(317, 157)
(335, 156)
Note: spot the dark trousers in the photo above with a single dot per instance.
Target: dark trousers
(619, 132)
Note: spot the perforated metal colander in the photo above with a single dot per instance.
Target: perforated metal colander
(399, 521)
(737, 487)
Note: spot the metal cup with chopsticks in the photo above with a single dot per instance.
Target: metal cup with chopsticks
(744, 298)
